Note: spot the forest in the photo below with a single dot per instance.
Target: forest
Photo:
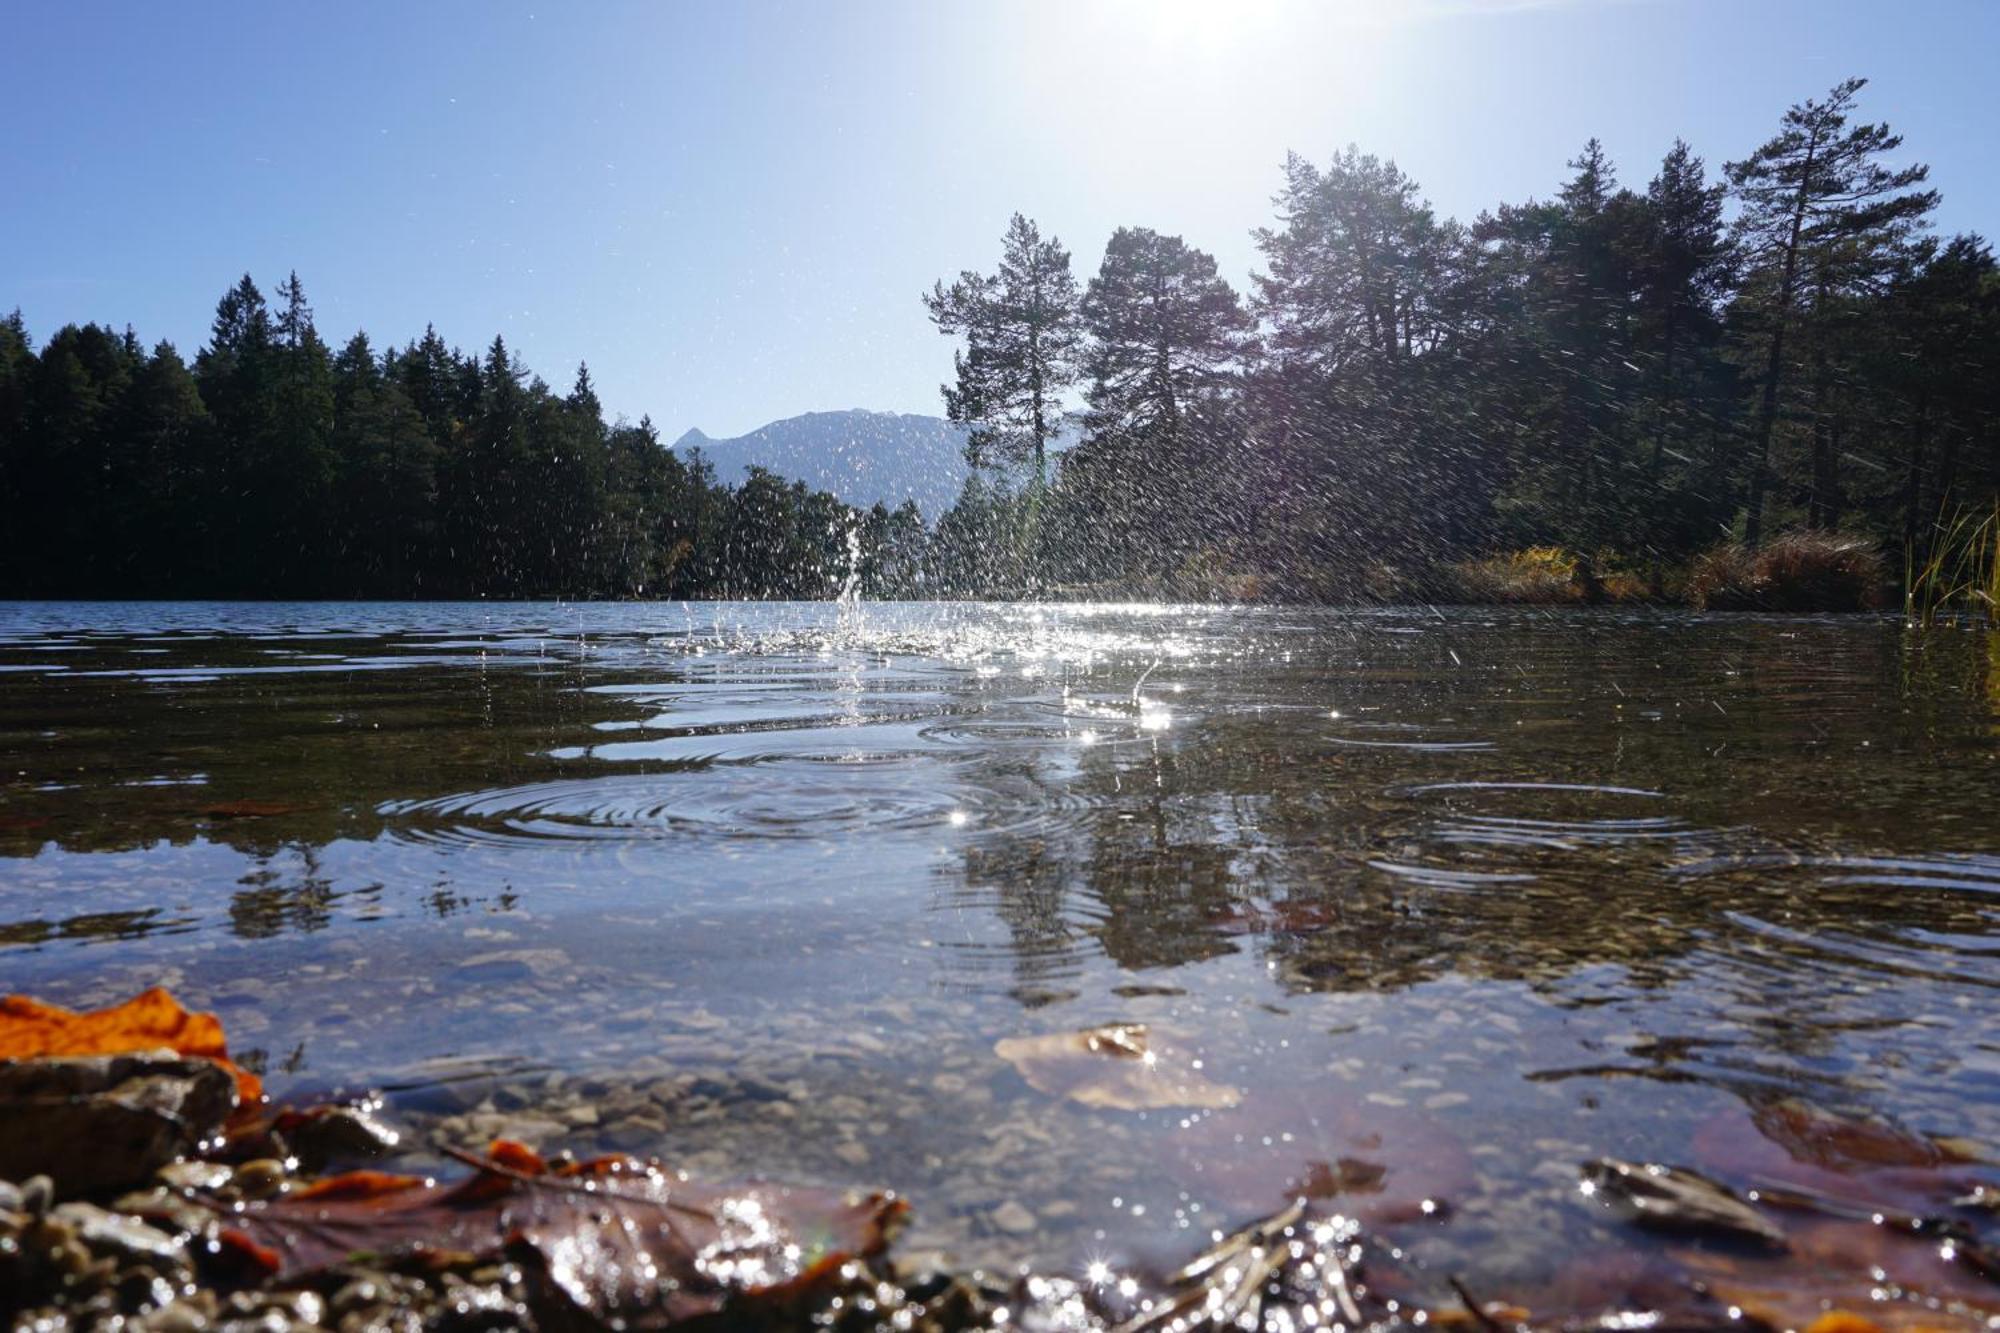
(1631, 374)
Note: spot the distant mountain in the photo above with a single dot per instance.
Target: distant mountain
(860, 456)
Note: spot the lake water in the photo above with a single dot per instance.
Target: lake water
(1428, 906)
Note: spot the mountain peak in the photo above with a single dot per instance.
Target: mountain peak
(860, 455)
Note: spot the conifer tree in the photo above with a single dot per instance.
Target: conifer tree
(1167, 337)
(1816, 187)
(1682, 274)
(1023, 338)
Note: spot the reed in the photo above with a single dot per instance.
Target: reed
(1960, 574)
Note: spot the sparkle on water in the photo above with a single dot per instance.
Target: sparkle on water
(1456, 900)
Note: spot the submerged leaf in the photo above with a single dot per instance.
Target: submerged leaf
(1670, 1198)
(1819, 1137)
(1906, 1282)
(1383, 1165)
(1120, 1066)
(1850, 1164)
(621, 1240)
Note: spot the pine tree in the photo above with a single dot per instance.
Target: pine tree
(1814, 188)
(1023, 338)
(296, 464)
(1168, 337)
(1362, 322)
(17, 442)
(1167, 334)
(237, 372)
(158, 508)
(385, 491)
(1682, 275)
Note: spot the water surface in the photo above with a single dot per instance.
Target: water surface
(1453, 900)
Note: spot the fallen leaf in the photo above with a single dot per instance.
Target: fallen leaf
(1344, 1176)
(623, 1241)
(1907, 1283)
(1383, 1165)
(150, 1021)
(1848, 1143)
(1670, 1198)
(1843, 1321)
(1864, 1165)
(1120, 1066)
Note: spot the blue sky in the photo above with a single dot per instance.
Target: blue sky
(729, 210)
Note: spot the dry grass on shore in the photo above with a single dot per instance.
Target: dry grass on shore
(1794, 571)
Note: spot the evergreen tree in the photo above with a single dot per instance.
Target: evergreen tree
(1167, 335)
(1167, 339)
(1363, 323)
(295, 467)
(157, 507)
(1023, 338)
(1681, 275)
(236, 372)
(1929, 360)
(18, 445)
(385, 494)
(1816, 189)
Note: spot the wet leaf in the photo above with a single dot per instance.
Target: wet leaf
(1344, 1176)
(1119, 1066)
(150, 1021)
(1860, 1165)
(1904, 1281)
(1670, 1198)
(1847, 1143)
(1383, 1165)
(622, 1241)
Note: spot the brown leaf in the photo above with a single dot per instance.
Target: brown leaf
(1385, 1166)
(1865, 1165)
(1848, 1143)
(1670, 1198)
(1905, 1282)
(624, 1241)
(1121, 1066)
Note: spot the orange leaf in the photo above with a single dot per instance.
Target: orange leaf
(358, 1186)
(1843, 1321)
(150, 1021)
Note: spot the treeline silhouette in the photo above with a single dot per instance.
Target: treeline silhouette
(275, 466)
(1633, 374)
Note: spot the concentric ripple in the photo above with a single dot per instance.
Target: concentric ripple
(766, 801)
(1963, 873)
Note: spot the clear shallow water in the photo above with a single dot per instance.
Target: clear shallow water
(1464, 897)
